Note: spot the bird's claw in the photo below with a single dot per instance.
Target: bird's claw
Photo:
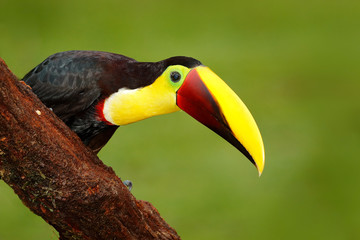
(128, 184)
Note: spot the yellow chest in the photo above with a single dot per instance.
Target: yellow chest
(132, 105)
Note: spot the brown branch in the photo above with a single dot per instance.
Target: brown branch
(60, 179)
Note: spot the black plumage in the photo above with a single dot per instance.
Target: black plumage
(72, 83)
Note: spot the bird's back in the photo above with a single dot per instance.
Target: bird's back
(68, 83)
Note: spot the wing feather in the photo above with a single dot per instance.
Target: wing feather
(67, 82)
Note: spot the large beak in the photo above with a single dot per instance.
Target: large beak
(208, 99)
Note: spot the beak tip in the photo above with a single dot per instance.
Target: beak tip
(260, 166)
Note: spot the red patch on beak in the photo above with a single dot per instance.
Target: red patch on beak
(194, 98)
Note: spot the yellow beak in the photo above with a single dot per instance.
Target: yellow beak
(208, 99)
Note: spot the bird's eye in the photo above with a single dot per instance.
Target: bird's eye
(175, 76)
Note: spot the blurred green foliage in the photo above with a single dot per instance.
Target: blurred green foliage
(294, 63)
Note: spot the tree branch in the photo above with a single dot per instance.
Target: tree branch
(60, 179)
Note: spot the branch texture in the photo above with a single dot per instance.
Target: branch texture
(60, 179)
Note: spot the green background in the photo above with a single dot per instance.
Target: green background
(294, 63)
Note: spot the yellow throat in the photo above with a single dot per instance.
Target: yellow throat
(132, 105)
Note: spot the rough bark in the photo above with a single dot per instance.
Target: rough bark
(60, 179)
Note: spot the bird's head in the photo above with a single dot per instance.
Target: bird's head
(184, 83)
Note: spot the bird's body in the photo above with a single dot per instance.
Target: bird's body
(95, 92)
(74, 84)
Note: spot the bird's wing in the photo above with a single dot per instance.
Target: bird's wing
(66, 82)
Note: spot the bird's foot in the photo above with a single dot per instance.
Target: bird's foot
(128, 184)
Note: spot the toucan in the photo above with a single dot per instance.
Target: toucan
(95, 92)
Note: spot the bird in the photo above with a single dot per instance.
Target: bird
(95, 92)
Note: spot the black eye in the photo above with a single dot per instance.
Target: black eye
(175, 76)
